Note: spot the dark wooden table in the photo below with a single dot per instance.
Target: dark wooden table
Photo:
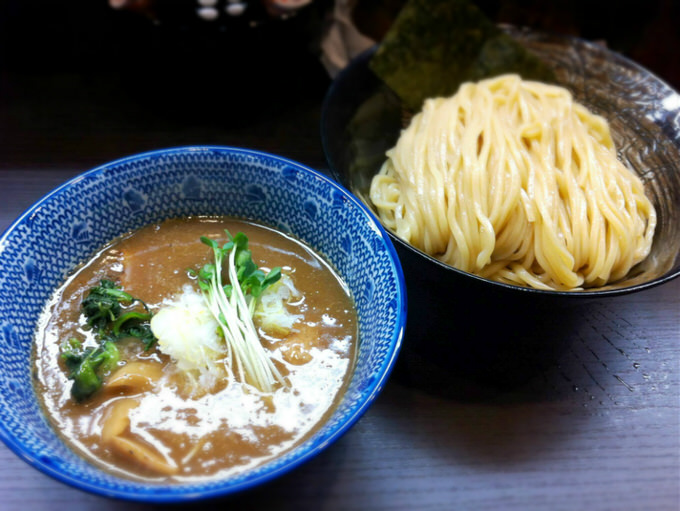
(594, 424)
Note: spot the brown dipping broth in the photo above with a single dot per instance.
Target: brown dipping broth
(200, 433)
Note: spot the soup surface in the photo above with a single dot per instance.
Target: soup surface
(155, 420)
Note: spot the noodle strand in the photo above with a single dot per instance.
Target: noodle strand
(516, 182)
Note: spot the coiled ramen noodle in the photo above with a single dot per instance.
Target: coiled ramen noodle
(514, 181)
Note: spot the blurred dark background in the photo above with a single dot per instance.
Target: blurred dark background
(82, 83)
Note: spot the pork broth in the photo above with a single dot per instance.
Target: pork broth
(153, 421)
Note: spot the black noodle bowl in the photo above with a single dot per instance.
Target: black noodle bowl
(468, 321)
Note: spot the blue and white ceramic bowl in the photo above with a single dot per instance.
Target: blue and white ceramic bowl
(69, 224)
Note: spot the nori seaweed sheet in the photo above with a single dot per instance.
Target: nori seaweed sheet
(435, 45)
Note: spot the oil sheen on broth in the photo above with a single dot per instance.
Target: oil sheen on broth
(149, 421)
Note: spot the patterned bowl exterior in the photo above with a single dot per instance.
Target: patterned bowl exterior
(73, 221)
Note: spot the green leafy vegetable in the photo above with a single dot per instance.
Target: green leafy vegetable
(102, 304)
(103, 308)
(233, 305)
(141, 331)
(87, 365)
(110, 312)
(435, 45)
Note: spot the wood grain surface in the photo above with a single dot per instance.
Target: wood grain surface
(589, 422)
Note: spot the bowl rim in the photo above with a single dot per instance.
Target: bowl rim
(364, 57)
(186, 492)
